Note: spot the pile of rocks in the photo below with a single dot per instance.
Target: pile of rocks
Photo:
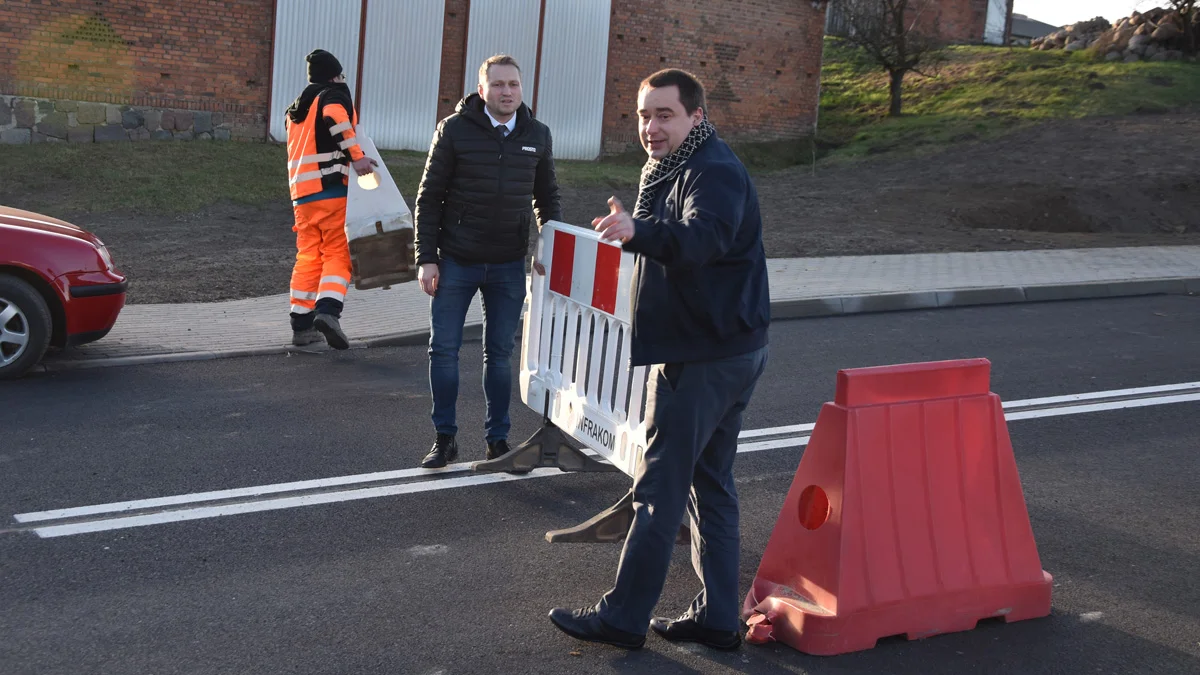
(1156, 35)
(1074, 37)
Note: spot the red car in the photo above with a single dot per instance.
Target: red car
(58, 287)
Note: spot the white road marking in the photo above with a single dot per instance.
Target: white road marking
(777, 431)
(1097, 407)
(236, 493)
(252, 505)
(794, 441)
(1008, 405)
(1091, 396)
(277, 503)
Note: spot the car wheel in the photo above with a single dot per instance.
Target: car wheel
(25, 326)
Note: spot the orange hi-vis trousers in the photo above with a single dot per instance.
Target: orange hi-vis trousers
(322, 273)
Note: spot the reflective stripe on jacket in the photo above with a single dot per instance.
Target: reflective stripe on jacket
(320, 149)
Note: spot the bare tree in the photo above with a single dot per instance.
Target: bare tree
(899, 35)
(1187, 12)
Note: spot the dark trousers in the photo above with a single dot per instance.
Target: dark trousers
(503, 289)
(694, 412)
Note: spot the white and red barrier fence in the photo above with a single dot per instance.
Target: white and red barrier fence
(576, 344)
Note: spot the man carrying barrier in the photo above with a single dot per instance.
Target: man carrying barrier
(699, 310)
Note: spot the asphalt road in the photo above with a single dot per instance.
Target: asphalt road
(459, 580)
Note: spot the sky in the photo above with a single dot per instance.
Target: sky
(1064, 12)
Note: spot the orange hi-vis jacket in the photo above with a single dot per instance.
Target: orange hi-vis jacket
(321, 148)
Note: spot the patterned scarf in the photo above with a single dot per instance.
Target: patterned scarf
(658, 172)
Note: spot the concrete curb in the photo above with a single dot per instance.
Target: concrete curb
(781, 310)
(970, 297)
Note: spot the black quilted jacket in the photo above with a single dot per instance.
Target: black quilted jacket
(475, 196)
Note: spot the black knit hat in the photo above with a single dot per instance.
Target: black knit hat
(322, 66)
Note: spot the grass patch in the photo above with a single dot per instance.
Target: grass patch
(167, 177)
(982, 91)
(762, 158)
(153, 177)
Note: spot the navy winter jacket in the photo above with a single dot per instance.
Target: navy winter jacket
(700, 283)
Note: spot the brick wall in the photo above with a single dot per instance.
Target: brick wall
(204, 55)
(959, 21)
(962, 20)
(454, 53)
(759, 59)
(760, 62)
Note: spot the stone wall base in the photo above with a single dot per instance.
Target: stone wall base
(36, 120)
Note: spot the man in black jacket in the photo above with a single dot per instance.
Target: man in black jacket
(488, 162)
(701, 309)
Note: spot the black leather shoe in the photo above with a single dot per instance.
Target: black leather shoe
(445, 449)
(685, 629)
(497, 448)
(331, 328)
(585, 624)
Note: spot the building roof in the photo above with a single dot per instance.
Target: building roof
(1025, 27)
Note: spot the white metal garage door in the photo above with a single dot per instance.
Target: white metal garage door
(401, 72)
(300, 27)
(503, 27)
(997, 21)
(574, 64)
(568, 84)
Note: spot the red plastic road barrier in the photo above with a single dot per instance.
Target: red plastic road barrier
(906, 517)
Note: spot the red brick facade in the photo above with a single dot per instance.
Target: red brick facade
(962, 20)
(454, 52)
(956, 21)
(208, 55)
(759, 59)
(760, 62)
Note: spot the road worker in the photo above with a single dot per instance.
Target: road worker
(321, 149)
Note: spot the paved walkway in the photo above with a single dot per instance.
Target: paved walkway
(799, 287)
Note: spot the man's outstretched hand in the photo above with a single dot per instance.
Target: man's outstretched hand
(617, 225)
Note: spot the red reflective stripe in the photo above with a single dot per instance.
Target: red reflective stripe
(608, 269)
(562, 264)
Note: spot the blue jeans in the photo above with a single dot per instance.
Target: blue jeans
(503, 288)
(694, 415)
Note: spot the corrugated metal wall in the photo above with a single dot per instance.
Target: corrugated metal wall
(504, 27)
(401, 72)
(402, 51)
(835, 20)
(997, 22)
(300, 27)
(574, 65)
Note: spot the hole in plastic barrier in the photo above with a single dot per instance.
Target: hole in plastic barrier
(814, 507)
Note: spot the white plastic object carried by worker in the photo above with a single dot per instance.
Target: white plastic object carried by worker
(379, 226)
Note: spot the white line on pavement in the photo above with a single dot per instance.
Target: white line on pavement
(1096, 407)
(236, 493)
(1091, 396)
(275, 503)
(778, 431)
(1008, 405)
(280, 503)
